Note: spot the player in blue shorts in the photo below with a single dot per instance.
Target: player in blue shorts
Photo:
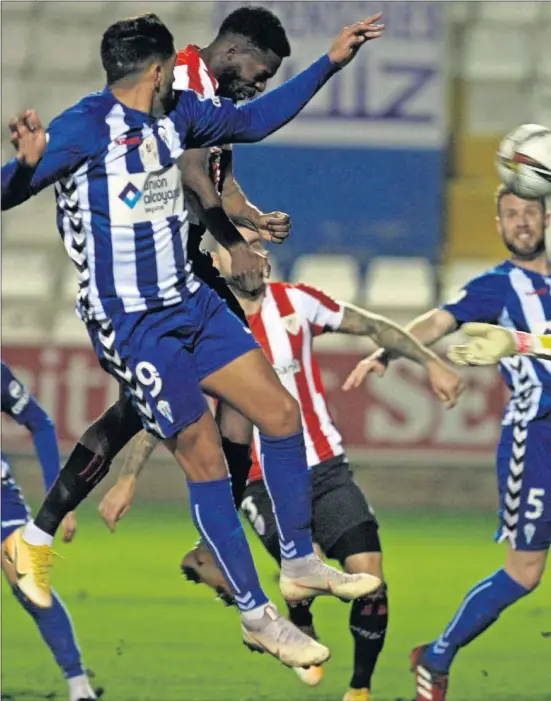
(54, 623)
(516, 295)
(166, 337)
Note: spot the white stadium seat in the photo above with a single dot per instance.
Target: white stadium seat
(514, 13)
(24, 323)
(16, 45)
(337, 275)
(456, 274)
(69, 329)
(497, 53)
(34, 223)
(60, 50)
(27, 274)
(399, 283)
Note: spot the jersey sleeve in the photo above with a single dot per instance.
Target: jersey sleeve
(203, 122)
(482, 299)
(322, 311)
(26, 411)
(68, 136)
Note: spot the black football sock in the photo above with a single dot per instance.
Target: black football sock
(368, 624)
(238, 457)
(82, 472)
(300, 614)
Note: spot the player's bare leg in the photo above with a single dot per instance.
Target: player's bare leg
(481, 608)
(198, 450)
(251, 385)
(55, 627)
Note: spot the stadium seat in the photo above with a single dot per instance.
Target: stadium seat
(497, 53)
(455, 274)
(337, 275)
(512, 13)
(34, 223)
(24, 323)
(69, 282)
(27, 273)
(406, 283)
(60, 51)
(69, 329)
(16, 45)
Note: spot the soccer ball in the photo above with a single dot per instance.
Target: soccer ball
(523, 161)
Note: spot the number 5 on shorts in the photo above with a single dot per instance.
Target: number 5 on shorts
(535, 501)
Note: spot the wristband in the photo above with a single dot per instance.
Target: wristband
(525, 342)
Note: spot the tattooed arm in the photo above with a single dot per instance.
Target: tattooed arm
(118, 500)
(445, 382)
(385, 333)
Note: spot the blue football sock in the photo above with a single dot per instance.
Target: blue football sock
(288, 480)
(480, 608)
(217, 521)
(57, 631)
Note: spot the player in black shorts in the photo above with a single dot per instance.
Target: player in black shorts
(343, 524)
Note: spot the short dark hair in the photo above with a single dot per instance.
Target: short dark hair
(503, 190)
(130, 45)
(260, 26)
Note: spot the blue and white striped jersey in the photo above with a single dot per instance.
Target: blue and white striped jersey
(119, 198)
(518, 299)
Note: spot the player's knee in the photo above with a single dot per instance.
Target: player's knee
(527, 570)
(284, 417)
(368, 563)
(199, 453)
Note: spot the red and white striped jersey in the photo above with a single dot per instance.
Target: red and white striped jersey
(192, 73)
(290, 318)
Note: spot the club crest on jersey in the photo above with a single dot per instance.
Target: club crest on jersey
(292, 323)
(529, 532)
(149, 153)
(164, 407)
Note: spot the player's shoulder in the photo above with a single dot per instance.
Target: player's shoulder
(306, 294)
(494, 278)
(86, 119)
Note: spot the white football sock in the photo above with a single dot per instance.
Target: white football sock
(35, 536)
(79, 688)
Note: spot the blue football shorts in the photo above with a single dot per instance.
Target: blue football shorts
(15, 513)
(524, 479)
(161, 356)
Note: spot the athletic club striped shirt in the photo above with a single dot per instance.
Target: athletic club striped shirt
(290, 318)
(192, 73)
(518, 299)
(120, 206)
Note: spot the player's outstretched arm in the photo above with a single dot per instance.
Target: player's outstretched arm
(118, 500)
(491, 343)
(201, 122)
(427, 329)
(43, 158)
(446, 383)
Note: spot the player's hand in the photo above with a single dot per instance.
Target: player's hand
(69, 527)
(275, 226)
(371, 364)
(445, 382)
(28, 137)
(118, 501)
(490, 344)
(248, 267)
(350, 39)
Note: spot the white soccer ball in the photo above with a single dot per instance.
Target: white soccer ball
(523, 161)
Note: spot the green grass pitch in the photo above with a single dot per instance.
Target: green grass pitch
(151, 636)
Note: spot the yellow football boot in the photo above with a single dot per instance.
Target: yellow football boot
(32, 565)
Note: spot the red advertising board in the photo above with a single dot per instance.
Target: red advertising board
(396, 414)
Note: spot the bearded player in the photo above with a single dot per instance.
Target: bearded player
(284, 320)
(516, 295)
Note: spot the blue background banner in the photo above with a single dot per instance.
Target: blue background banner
(361, 170)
